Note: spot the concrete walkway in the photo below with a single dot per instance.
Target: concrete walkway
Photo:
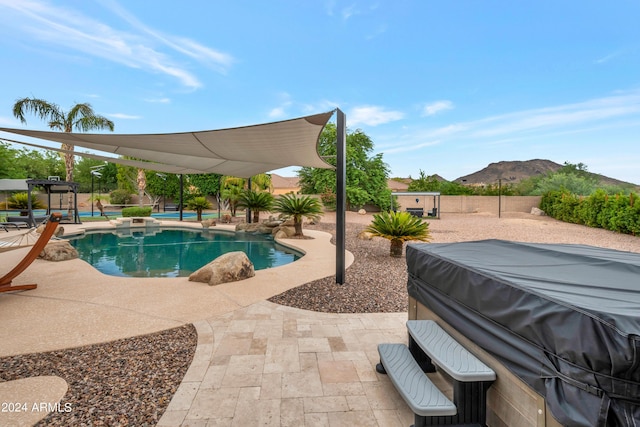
(256, 363)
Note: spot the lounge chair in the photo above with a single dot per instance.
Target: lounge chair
(5, 281)
(13, 224)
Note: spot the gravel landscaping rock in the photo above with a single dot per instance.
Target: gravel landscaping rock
(131, 381)
(375, 282)
(127, 382)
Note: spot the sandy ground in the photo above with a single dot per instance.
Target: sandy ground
(376, 283)
(516, 226)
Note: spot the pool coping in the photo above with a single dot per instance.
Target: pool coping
(76, 305)
(230, 230)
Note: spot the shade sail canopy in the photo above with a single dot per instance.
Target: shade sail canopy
(242, 152)
(13, 185)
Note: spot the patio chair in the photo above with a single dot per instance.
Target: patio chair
(15, 225)
(5, 281)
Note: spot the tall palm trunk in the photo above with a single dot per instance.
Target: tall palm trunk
(69, 163)
(142, 185)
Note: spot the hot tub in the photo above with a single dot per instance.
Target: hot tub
(563, 319)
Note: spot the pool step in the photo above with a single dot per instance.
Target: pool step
(135, 221)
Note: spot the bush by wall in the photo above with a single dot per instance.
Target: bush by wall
(618, 212)
(120, 197)
(136, 211)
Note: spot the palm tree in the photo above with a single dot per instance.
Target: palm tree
(232, 187)
(81, 117)
(256, 201)
(399, 227)
(21, 201)
(199, 204)
(292, 206)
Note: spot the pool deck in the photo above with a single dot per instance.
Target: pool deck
(311, 368)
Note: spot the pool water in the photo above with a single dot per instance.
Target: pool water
(174, 252)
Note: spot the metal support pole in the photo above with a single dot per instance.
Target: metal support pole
(341, 194)
(92, 201)
(181, 193)
(219, 189)
(247, 214)
(499, 197)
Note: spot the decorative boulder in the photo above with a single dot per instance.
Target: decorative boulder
(536, 211)
(230, 267)
(365, 235)
(58, 250)
(283, 232)
(208, 223)
(362, 212)
(271, 223)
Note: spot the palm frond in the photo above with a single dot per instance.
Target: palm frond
(399, 226)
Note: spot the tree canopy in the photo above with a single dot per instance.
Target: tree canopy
(366, 174)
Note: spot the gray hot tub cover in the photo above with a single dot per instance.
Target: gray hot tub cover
(563, 318)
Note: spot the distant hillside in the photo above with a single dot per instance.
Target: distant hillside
(515, 171)
(509, 172)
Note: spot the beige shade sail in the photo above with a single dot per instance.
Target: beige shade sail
(242, 151)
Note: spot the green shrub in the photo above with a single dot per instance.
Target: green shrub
(136, 211)
(21, 201)
(120, 197)
(592, 209)
(619, 212)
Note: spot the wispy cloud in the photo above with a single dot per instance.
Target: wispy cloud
(566, 116)
(330, 5)
(164, 100)
(123, 116)
(620, 109)
(436, 107)
(138, 47)
(372, 115)
(379, 30)
(349, 11)
(320, 106)
(609, 57)
(280, 111)
(405, 148)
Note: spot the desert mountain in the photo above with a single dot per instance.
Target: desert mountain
(509, 171)
(515, 171)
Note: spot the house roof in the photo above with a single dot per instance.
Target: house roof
(284, 181)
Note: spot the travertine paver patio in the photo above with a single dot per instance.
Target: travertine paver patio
(273, 365)
(257, 363)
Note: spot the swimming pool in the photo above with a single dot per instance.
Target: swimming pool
(173, 252)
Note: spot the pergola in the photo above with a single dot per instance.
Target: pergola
(241, 151)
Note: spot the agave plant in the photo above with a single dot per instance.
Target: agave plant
(292, 206)
(256, 201)
(399, 227)
(21, 201)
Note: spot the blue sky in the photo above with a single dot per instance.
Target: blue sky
(446, 87)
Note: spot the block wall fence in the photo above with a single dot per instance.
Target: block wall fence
(471, 204)
(448, 204)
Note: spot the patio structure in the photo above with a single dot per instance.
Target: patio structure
(242, 152)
